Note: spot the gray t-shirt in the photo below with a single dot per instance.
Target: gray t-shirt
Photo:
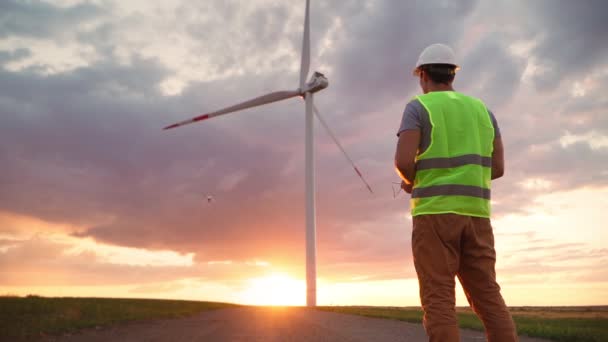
(416, 117)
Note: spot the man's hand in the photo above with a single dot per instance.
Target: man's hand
(406, 187)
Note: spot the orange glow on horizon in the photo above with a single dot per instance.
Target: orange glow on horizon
(539, 263)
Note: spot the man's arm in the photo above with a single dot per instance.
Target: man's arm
(498, 159)
(405, 156)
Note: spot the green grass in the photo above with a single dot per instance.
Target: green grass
(564, 329)
(531, 324)
(33, 316)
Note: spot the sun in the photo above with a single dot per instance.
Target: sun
(275, 289)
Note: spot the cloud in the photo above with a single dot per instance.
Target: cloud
(103, 164)
(52, 260)
(40, 19)
(578, 25)
(480, 74)
(7, 56)
(377, 48)
(232, 180)
(82, 150)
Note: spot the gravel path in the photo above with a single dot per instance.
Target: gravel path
(266, 324)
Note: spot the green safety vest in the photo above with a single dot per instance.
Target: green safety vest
(453, 174)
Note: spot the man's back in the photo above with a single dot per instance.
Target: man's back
(453, 164)
(448, 152)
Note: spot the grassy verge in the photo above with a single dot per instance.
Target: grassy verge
(33, 316)
(546, 323)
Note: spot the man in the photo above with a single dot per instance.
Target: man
(448, 152)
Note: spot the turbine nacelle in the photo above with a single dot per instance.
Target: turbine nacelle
(317, 82)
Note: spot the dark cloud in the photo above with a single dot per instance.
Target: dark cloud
(17, 54)
(89, 148)
(40, 19)
(103, 156)
(572, 39)
(490, 71)
(375, 54)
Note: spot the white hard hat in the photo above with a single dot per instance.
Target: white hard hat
(436, 54)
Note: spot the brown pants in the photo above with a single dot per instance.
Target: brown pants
(449, 245)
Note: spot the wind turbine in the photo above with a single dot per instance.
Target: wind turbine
(306, 90)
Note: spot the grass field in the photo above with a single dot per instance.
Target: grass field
(33, 316)
(555, 323)
(30, 317)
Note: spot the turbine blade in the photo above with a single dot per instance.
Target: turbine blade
(258, 101)
(331, 134)
(305, 65)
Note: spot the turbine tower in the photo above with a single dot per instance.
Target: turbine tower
(306, 90)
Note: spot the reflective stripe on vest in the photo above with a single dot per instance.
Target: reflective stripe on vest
(437, 163)
(453, 174)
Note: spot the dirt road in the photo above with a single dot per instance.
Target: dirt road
(265, 324)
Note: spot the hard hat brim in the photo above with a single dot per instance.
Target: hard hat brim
(416, 70)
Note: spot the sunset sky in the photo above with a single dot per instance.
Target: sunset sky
(97, 200)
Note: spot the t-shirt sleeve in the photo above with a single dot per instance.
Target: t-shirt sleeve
(411, 117)
(495, 124)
